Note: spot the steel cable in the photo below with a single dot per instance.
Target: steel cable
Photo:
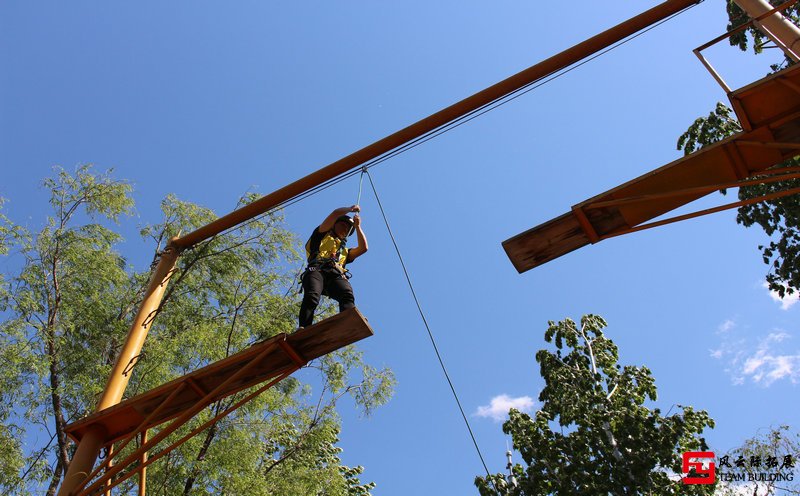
(428, 328)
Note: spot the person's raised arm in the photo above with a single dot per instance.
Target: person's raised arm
(362, 247)
(330, 220)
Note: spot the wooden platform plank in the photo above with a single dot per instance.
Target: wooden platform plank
(771, 102)
(312, 342)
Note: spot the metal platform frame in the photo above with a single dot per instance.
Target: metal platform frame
(178, 401)
(769, 112)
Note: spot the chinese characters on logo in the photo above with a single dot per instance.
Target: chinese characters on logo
(698, 468)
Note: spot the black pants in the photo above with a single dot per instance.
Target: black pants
(332, 283)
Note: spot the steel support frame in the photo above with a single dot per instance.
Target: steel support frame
(770, 176)
(752, 22)
(140, 455)
(89, 447)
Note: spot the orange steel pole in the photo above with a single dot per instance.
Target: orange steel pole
(439, 119)
(143, 470)
(91, 443)
(121, 373)
(775, 26)
(83, 459)
(111, 464)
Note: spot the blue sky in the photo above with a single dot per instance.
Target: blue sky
(209, 99)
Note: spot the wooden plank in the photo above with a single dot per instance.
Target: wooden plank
(772, 103)
(312, 342)
(555, 238)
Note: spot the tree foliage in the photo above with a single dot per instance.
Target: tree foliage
(751, 37)
(593, 433)
(775, 445)
(779, 218)
(66, 313)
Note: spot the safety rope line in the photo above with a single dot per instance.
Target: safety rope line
(360, 183)
(427, 327)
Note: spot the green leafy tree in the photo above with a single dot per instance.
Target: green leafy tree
(751, 37)
(66, 313)
(772, 451)
(593, 433)
(779, 218)
(12, 366)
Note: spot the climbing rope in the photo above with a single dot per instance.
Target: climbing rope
(360, 183)
(425, 322)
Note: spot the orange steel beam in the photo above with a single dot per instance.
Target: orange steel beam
(296, 361)
(691, 191)
(587, 226)
(769, 110)
(120, 374)
(420, 128)
(594, 237)
(671, 220)
(88, 449)
(773, 144)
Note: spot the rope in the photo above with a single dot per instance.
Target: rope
(360, 183)
(428, 328)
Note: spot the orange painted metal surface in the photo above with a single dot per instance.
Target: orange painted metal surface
(181, 399)
(769, 110)
(698, 51)
(115, 478)
(142, 468)
(312, 342)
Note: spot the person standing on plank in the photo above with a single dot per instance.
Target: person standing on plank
(328, 256)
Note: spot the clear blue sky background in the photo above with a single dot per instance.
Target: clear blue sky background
(209, 99)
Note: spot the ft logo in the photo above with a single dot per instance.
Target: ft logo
(701, 475)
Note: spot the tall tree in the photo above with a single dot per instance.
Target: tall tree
(12, 368)
(780, 218)
(67, 314)
(593, 433)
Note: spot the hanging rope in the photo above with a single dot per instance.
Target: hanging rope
(427, 327)
(360, 183)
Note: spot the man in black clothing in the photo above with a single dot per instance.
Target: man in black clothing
(327, 257)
